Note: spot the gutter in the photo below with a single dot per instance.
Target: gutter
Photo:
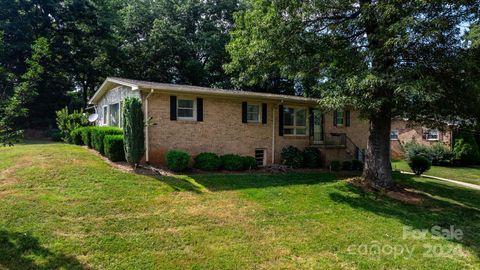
(147, 141)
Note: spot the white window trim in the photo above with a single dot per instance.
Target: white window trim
(194, 118)
(294, 127)
(105, 115)
(259, 113)
(109, 112)
(397, 133)
(433, 139)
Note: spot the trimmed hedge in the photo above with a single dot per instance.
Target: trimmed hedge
(113, 145)
(99, 133)
(311, 157)
(233, 162)
(419, 164)
(249, 163)
(357, 165)
(347, 165)
(292, 156)
(177, 160)
(207, 162)
(76, 136)
(335, 165)
(86, 134)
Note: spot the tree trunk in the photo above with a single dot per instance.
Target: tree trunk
(378, 170)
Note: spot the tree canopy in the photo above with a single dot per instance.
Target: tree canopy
(382, 58)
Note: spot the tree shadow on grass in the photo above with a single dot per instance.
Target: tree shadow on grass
(444, 206)
(23, 251)
(225, 182)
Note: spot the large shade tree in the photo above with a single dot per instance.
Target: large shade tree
(382, 58)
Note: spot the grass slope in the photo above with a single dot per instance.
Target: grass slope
(63, 207)
(464, 174)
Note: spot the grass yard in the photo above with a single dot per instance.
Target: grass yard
(464, 174)
(63, 207)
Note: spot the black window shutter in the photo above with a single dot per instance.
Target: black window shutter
(310, 122)
(280, 120)
(334, 118)
(173, 108)
(244, 112)
(199, 109)
(347, 118)
(264, 113)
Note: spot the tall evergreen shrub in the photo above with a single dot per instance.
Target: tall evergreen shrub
(133, 130)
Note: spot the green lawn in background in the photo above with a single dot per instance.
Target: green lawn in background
(464, 174)
(61, 206)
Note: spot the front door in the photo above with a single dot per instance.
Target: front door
(317, 126)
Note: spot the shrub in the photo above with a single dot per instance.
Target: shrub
(357, 165)
(419, 164)
(249, 163)
(66, 122)
(177, 160)
(113, 145)
(86, 134)
(55, 135)
(99, 133)
(76, 136)
(134, 133)
(335, 165)
(232, 162)
(292, 156)
(413, 149)
(311, 157)
(466, 149)
(347, 165)
(207, 162)
(441, 154)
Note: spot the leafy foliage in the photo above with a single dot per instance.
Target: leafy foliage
(98, 135)
(312, 157)
(207, 162)
(177, 160)
(347, 165)
(14, 108)
(133, 128)
(382, 58)
(292, 156)
(249, 163)
(113, 145)
(76, 135)
(466, 150)
(67, 122)
(86, 133)
(335, 165)
(233, 162)
(438, 153)
(419, 164)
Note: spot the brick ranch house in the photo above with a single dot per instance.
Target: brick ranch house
(404, 131)
(199, 119)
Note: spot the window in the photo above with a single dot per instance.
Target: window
(260, 157)
(186, 109)
(294, 121)
(432, 135)
(394, 135)
(339, 118)
(114, 115)
(253, 113)
(105, 115)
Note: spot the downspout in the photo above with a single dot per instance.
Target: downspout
(273, 134)
(147, 141)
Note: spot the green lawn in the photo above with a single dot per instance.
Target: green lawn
(63, 207)
(464, 174)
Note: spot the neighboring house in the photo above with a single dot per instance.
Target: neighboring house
(199, 119)
(404, 131)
